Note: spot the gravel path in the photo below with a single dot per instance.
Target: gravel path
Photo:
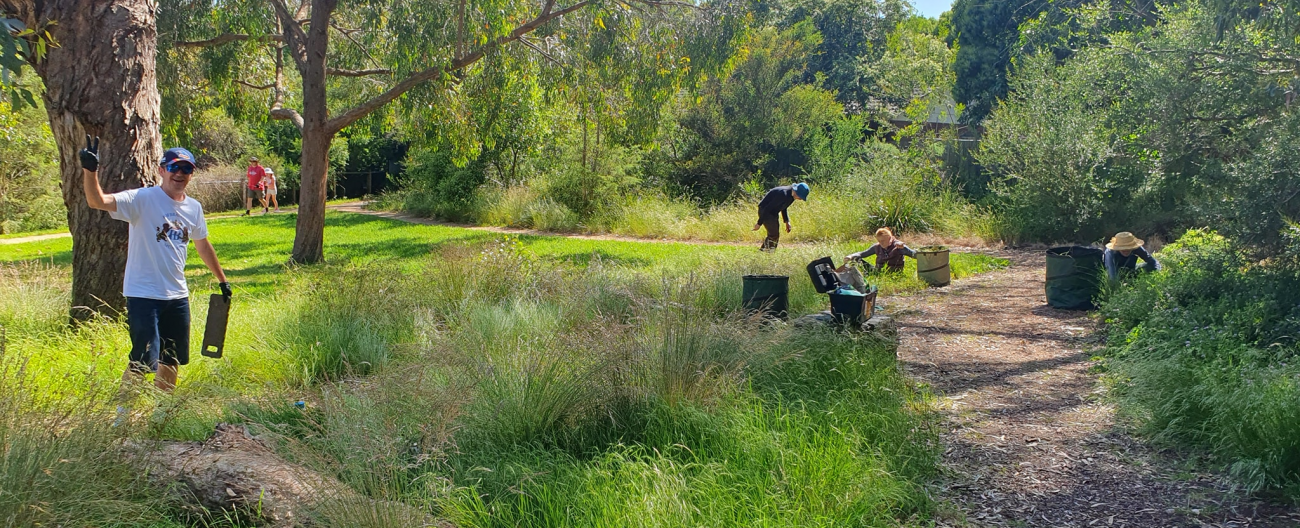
(1030, 441)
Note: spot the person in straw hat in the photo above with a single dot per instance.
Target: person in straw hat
(1123, 252)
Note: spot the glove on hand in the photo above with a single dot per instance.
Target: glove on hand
(225, 290)
(90, 155)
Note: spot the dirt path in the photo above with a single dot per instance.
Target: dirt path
(1029, 441)
(33, 238)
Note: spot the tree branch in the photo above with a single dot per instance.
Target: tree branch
(256, 86)
(227, 38)
(356, 73)
(354, 42)
(288, 114)
(540, 51)
(357, 112)
(668, 3)
(301, 14)
(293, 33)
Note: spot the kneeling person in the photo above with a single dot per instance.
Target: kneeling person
(1123, 252)
(163, 222)
(889, 251)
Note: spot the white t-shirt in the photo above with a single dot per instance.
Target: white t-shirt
(160, 235)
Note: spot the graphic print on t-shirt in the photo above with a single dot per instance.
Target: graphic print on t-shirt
(255, 175)
(173, 228)
(161, 230)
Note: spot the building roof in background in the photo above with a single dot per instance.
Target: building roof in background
(944, 113)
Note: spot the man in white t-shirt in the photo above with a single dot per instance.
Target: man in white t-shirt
(163, 222)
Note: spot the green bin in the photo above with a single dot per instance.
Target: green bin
(1074, 276)
(768, 294)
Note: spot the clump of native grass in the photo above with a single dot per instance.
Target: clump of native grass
(61, 461)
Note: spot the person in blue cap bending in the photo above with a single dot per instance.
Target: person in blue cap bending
(163, 222)
(776, 201)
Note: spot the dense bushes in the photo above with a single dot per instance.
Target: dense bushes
(219, 188)
(1153, 129)
(868, 185)
(1208, 352)
(769, 117)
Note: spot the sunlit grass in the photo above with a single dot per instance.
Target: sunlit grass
(521, 380)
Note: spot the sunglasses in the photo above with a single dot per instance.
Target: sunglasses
(182, 168)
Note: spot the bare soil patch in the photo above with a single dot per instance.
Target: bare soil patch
(1030, 439)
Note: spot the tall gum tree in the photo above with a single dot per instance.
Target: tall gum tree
(99, 80)
(383, 49)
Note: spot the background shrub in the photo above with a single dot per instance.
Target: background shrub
(221, 188)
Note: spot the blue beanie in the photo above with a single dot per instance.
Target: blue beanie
(801, 189)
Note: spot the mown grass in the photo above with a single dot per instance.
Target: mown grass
(512, 381)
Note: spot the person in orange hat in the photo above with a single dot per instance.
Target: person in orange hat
(1123, 252)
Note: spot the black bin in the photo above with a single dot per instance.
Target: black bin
(853, 310)
(768, 294)
(1074, 276)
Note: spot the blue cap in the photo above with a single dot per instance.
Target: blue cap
(801, 189)
(177, 154)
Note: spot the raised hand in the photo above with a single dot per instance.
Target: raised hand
(90, 155)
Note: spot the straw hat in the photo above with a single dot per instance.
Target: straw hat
(1124, 241)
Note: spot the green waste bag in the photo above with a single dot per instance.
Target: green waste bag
(767, 294)
(1074, 277)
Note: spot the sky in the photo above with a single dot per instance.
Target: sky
(932, 8)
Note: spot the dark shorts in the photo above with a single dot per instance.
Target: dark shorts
(160, 332)
(253, 194)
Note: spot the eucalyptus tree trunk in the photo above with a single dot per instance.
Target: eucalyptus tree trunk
(309, 238)
(100, 80)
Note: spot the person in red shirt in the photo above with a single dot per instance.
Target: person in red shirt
(254, 189)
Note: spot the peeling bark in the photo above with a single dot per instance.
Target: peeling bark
(101, 81)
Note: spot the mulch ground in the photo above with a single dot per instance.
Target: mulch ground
(1030, 438)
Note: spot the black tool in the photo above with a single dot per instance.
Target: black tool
(214, 334)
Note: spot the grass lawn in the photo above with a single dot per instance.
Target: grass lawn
(253, 251)
(495, 381)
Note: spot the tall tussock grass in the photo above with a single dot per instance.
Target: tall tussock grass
(61, 462)
(500, 384)
(1205, 353)
(533, 392)
(34, 297)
